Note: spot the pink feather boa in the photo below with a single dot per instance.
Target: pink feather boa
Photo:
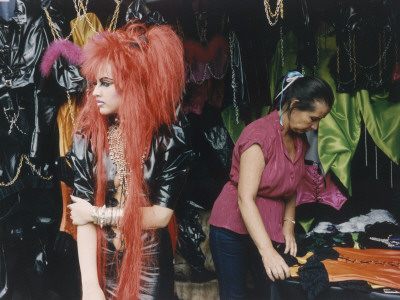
(67, 49)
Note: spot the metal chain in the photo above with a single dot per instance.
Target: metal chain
(354, 59)
(270, 15)
(53, 28)
(24, 157)
(13, 121)
(16, 176)
(391, 174)
(113, 23)
(282, 54)
(233, 83)
(34, 169)
(70, 109)
(365, 145)
(215, 76)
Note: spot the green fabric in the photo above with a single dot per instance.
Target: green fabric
(229, 118)
(339, 132)
(306, 224)
(354, 235)
(382, 119)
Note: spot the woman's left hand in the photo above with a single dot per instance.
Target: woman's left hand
(290, 241)
(81, 211)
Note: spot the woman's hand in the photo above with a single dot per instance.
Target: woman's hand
(290, 241)
(81, 211)
(92, 292)
(274, 265)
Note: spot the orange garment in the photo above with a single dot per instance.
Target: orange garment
(81, 35)
(378, 266)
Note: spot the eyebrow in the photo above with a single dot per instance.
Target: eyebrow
(106, 79)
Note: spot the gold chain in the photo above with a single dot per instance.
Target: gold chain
(24, 157)
(86, 17)
(277, 9)
(34, 169)
(16, 176)
(53, 28)
(113, 23)
(70, 109)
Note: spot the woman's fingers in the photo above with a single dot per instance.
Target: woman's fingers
(269, 274)
(76, 199)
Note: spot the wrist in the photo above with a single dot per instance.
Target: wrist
(289, 220)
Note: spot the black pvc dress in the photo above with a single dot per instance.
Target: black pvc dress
(165, 172)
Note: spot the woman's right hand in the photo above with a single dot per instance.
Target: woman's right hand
(274, 265)
(81, 211)
(92, 292)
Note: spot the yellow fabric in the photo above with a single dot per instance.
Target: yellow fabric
(81, 35)
(83, 31)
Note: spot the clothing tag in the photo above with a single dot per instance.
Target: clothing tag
(4, 0)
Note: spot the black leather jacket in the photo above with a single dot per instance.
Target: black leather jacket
(165, 169)
(29, 102)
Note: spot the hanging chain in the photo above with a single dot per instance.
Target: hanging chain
(282, 54)
(113, 23)
(351, 47)
(271, 15)
(365, 145)
(35, 170)
(391, 174)
(16, 176)
(355, 64)
(376, 162)
(353, 57)
(70, 109)
(78, 8)
(337, 61)
(13, 121)
(24, 157)
(202, 28)
(53, 28)
(233, 83)
(380, 61)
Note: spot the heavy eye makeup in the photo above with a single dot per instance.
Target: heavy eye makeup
(104, 81)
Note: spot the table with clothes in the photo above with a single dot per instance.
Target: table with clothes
(356, 259)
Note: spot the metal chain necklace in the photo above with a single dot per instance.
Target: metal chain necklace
(117, 149)
(117, 154)
(271, 15)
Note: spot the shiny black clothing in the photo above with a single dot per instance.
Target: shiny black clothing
(165, 172)
(29, 206)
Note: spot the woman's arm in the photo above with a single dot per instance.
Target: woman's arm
(252, 165)
(152, 217)
(156, 217)
(87, 250)
(288, 226)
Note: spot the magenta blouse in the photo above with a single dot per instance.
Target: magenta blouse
(279, 179)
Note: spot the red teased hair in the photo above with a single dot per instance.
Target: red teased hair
(148, 71)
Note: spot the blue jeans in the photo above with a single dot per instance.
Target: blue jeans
(234, 255)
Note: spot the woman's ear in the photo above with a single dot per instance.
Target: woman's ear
(294, 102)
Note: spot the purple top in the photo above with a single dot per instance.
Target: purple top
(279, 179)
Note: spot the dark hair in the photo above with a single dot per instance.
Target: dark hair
(307, 90)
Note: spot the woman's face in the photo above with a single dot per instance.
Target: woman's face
(107, 98)
(302, 121)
